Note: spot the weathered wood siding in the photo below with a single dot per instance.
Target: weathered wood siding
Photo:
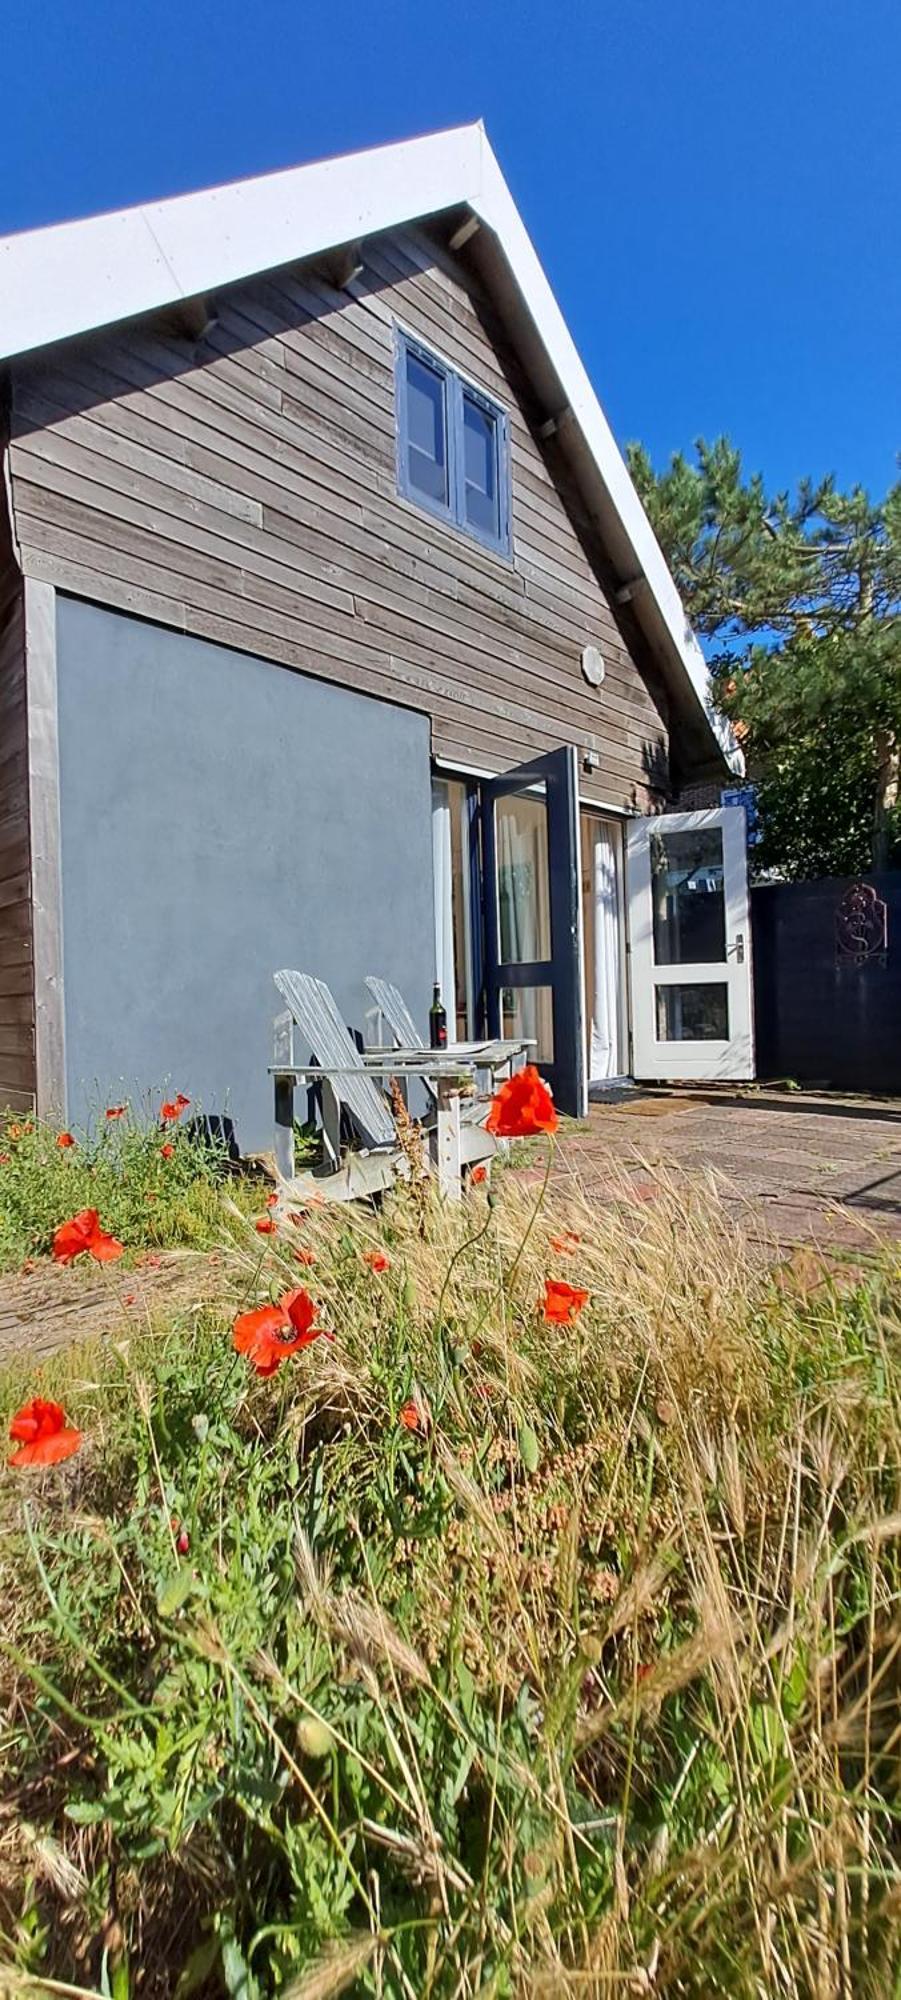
(17, 1058)
(244, 489)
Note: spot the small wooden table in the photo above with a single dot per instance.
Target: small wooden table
(443, 1069)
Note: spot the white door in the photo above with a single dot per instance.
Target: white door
(690, 946)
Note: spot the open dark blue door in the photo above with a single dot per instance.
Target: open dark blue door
(531, 903)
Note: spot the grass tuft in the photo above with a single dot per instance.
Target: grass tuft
(469, 1654)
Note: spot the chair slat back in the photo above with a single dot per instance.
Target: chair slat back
(390, 1002)
(313, 1008)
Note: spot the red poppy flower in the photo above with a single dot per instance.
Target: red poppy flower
(566, 1244)
(478, 1175)
(522, 1106)
(83, 1233)
(42, 1434)
(270, 1333)
(265, 1226)
(5, 1159)
(172, 1109)
(562, 1303)
(304, 1257)
(272, 1201)
(411, 1416)
(116, 1110)
(65, 1140)
(166, 1152)
(378, 1260)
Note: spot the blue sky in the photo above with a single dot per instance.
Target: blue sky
(714, 186)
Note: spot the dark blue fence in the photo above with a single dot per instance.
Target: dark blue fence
(827, 982)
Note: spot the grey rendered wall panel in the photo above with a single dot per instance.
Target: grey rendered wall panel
(17, 1047)
(221, 817)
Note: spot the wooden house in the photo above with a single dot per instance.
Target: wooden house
(333, 635)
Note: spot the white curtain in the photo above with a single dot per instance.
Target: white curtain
(519, 886)
(605, 1052)
(516, 882)
(523, 883)
(442, 864)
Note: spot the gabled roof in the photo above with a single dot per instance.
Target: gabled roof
(76, 277)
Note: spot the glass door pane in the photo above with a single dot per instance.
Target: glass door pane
(523, 878)
(688, 896)
(698, 1013)
(532, 932)
(528, 1012)
(453, 925)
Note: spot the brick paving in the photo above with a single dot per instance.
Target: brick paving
(45, 1307)
(796, 1167)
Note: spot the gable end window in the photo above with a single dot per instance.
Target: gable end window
(453, 454)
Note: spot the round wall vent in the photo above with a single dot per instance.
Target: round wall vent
(592, 665)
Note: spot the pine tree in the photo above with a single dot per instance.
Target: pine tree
(799, 602)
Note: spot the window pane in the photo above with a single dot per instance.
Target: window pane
(523, 879)
(426, 430)
(527, 1015)
(688, 897)
(480, 456)
(692, 1013)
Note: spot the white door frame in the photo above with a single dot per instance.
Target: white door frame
(615, 825)
(673, 1059)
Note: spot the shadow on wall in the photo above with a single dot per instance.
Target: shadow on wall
(216, 1130)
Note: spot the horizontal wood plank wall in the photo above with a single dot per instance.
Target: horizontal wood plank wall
(17, 1054)
(244, 490)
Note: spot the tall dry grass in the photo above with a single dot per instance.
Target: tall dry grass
(587, 1685)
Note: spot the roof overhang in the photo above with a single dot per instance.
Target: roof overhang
(78, 277)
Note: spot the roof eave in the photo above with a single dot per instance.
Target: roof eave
(76, 278)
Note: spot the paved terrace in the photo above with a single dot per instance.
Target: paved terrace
(799, 1167)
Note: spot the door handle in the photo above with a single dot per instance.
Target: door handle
(739, 947)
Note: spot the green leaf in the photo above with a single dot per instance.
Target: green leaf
(197, 1967)
(86, 1812)
(236, 1974)
(174, 1592)
(529, 1450)
(467, 1688)
(121, 1984)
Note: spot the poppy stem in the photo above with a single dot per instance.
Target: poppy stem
(511, 1274)
(468, 1243)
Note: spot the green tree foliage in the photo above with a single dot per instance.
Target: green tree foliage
(798, 601)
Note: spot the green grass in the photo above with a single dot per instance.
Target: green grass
(590, 1685)
(146, 1197)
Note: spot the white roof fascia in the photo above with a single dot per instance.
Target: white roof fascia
(496, 207)
(78, 277)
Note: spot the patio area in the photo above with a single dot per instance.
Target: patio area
(796, 1166)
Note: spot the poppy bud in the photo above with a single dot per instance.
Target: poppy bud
(183, 1542)
(315, 1737)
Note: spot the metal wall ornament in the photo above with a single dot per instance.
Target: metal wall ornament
(861, 927)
